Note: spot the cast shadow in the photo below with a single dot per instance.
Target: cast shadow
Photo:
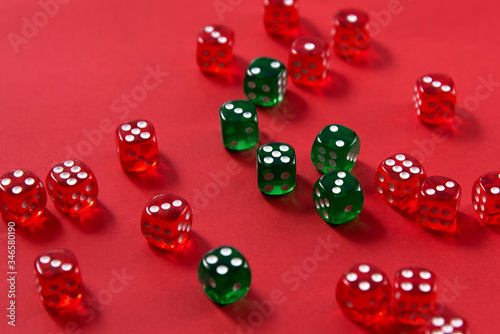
(464, 126)
(335, 85)
(234, 76)
(156, 178)
(307, 28)
(44, 230)
(291, 109)
(376, 57)
(297, 201)
(188, 255)
(93, 220)
(249, 156)
(75, 318)
(242, 307)
(364, 229)
(365, 175)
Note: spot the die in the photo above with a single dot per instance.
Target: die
(338, 197)
(398, 180)
(276, 168)
(136, 145)
(239, 125)
(447, 324)
(265, 81)
(215, 48)
(22, 196)
(435, 98)
(281, 17)
(308, 61)
(414, 299)
(486, 198)
(166, 221)
(350, 32)
(224, 275)
(438, 202)
(336, 147)
(364, 294)
(58, 280)
(72, 186)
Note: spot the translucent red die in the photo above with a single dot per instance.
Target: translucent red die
(281, 17)
(438, 202)
(486, 198)
(136, 145)
(447, 324)
(364, 294)
(350, 32)
(58, 279)
(435, 98)
(215, 48)
(72, 186)
(398, 180)
(308, 60)
(166, 221)
(414, 300)
(22, 196)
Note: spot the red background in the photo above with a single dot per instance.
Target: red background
(58, 89)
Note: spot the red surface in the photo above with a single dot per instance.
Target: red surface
(61, 97)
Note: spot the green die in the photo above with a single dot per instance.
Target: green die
(224, 275)
(276, 169)
(338, 197)
(265, 81)
(336, 147)
(240, 129)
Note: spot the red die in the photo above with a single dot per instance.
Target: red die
(215, 48)
(166, 221)
(350, 32)
(281, 17)
(137, 146)
(58, 279)
(435, 98)
(308, 60)
(486, 198)
(414, 299)
(364, 294)
(398, 180)
(72, 186)
(438, 202)
(444, 325)
(22, 196)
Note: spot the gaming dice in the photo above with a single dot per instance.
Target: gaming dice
(166, 221)
(22, 196)
(281, 17)
(308, 61)
(486, 198)
(398, 180)
(276, 169)
(350, 32)
(338, 197)
(224, 275)
(336, 147)
(215, 48)
(447, 324)
(136, 145)
(438, 202)
(265, 81)
(435, 98)
(240, 129)
(58, 279)
(364, 294)
(414, 299)
(72, 186)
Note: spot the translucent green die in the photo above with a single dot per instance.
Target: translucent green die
(224, 275)
(276, 170)
(265, 81)
(338, 197)
(336, 147)
(240, 129)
